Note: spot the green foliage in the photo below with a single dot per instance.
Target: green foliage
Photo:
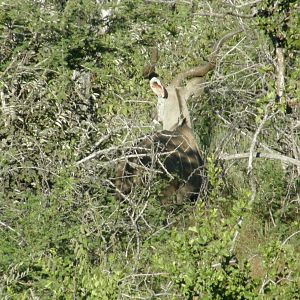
(71, 86)
(280, 21)
(205, 268)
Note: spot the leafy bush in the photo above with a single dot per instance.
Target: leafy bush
(73, 101)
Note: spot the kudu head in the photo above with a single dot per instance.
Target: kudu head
(172, 100)
(173, 150)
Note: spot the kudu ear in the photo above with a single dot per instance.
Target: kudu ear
(157, 87)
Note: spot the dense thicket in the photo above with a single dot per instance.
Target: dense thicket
(73, 100)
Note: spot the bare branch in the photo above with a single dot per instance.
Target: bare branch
(274, 156)
(289, 237)
(280, 70)
(236, 234)
(254, 140)
(245, 134)
(296, 151)
(224, 15)
(248, 3)
(9, 227)
(231, 263)
(95, 154)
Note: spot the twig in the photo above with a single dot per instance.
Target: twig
(245, 134)
(266, 281)
(236, 234)
(296, 151)
(115, 148)
(280, 70)
(170, 2)
(288, 238)
(10, 228)
(226, 14)
(274, 156)
(165, 170)
(254, 140)
(96, 153)
(144, 275)
(231, 263)
(28, 168)
(117, 190)
(248, 3)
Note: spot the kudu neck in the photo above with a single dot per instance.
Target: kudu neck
(173, 110)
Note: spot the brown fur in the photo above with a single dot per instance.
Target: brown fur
(180, 162)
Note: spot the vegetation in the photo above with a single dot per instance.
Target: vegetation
(73, 100)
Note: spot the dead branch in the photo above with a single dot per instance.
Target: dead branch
(247, 3)
(296, 151)
(245, 134)
(280, 72)
(224, 15)
(254, 140)
(273, 156)
(289, 237)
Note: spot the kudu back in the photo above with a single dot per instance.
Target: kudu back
(172, 152)
(174, 156)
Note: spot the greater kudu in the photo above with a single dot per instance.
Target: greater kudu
(174, 150)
